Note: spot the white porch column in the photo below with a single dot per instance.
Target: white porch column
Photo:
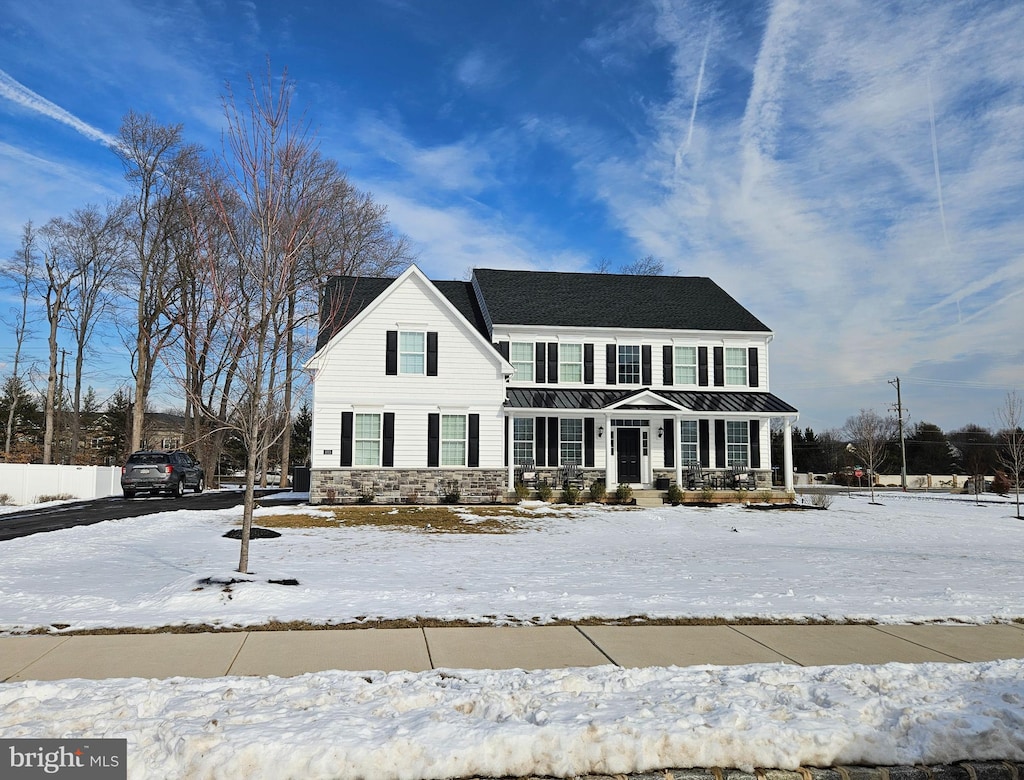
(787, 448)
(607, 452)
(677, 448)
(510, 452)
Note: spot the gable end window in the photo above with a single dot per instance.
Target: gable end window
(411, 353)
(735, 366)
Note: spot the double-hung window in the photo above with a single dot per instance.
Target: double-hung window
(737, 443)
(571, 441)
(685, 365)
(453, 439)
(629, 364)
(366, 440)
(570, 362)
(412, 352)
(688, 441)
(522, 440)
(736, 366)
(521, 355)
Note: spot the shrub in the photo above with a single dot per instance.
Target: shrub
(496, 495)
(571, 495)
(597, 490)
(54, 497)
(6, 499)
(821, 500)
(522, 491)
(1001, 483)
(624, 492)
(706, 494)
(331, 496)
(452, 492)
(413, 497)
(675, 494)
(766, 496)
(544, 490)
(366, 495)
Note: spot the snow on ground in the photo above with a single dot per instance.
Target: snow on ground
(604, 720)
(914, 558)
(909, 559)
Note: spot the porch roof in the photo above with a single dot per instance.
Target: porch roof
(673, 400)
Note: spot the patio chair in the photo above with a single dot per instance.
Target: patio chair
(526, 473)
(695, 477)
(571, 476)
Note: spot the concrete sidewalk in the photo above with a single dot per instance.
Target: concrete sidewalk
(288, 653)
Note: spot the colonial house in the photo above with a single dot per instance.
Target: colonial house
(424, 387)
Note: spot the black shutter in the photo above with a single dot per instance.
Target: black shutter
(667, 369)
(508, 426)
(502, 349)
(552, 441)
(670, 443)
(703, 439)
(720, 443)
(755, 444)
(541, 363)
(702, 366)
(588, 364)
(645, 365)
(346, 438)
(553, 363)
(752, 367)
(391, 354)
(719, 367)
(611, 364)
(474, 441)
(540, 444)
(433, 440)
(388, 456)
(432, 353)
(588, 442)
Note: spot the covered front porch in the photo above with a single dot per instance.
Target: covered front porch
(699, 441)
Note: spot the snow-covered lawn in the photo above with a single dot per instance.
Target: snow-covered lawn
(913, 558)
(910, 559)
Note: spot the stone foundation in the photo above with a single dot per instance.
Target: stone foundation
(406, 486)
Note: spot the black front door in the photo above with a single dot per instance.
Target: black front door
(628, 441)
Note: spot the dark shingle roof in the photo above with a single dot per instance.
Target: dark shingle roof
(698, 401)
(592, 300)
(346, 296)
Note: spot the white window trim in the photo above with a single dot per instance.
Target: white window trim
(562, 441)
(402, 353)
(532, 440)
(730, 442)
(735, 366)
(441, 439)
(619, 364)
(356, 439)
(562, 362)
(530, 362)
(677, 364)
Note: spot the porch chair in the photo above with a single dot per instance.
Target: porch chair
(695, 477)
(526, 473)
(571, 476)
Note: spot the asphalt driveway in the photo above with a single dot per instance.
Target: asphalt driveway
(54, 518)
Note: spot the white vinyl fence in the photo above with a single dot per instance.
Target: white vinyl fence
(24, 483)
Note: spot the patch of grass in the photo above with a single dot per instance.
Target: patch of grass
(294, 520)
(436, 519)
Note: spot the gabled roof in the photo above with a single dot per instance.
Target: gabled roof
(591, 300)
(346, 296)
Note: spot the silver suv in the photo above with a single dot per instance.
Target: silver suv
(155, 472)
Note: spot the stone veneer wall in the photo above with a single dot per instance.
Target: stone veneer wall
(401, 486)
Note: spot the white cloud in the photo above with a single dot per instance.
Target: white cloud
(18, 93)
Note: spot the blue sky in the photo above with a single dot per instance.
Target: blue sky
(852, 172)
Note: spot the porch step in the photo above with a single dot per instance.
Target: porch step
(649, 498)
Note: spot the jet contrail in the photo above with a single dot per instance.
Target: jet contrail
(680, 154)
(938, 186)
(18, 93)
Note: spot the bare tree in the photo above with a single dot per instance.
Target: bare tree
(159, 166)
(1011, 455)
(21, 269)
(869, 434)
(648, 265)
(280, 205)
(92, 241)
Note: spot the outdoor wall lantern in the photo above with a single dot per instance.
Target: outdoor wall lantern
(600, 431)
(661, 432)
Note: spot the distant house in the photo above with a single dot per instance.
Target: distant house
(420, 385)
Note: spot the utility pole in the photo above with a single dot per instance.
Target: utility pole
(903, 447)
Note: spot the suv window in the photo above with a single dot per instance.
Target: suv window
(149, 458)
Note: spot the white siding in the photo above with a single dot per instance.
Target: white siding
(350, 376)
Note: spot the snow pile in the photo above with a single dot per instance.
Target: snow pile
(602, 720)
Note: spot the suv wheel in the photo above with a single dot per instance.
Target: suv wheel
(200, 485)
(178, 488)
